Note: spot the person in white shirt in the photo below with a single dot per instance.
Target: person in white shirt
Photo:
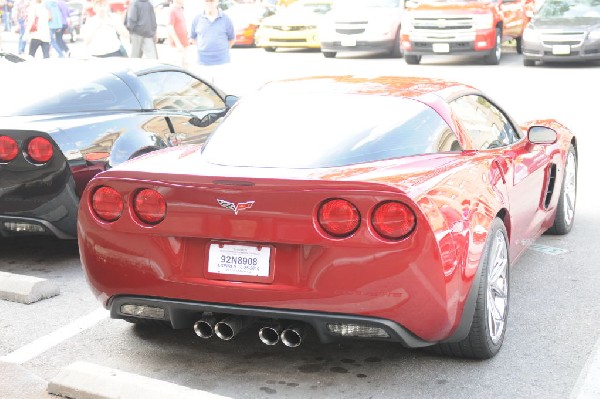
(38, 30)
(103, 32)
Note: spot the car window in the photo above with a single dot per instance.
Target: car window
(485, 124)
(180, 91)
(79, 93)
(326, 130)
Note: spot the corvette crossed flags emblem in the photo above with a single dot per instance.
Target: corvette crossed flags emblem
(235, 207)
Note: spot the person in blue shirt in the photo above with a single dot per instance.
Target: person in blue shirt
(213, 34)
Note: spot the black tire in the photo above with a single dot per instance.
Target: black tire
(396, 51)
(270, 49)
(565, 212)
(329, 54)
(482, 342)
(412, 59)
(528, 63)
(519, 47)
(493, 58)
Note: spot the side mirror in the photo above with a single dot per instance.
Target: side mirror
(541, 135)
(230, 100)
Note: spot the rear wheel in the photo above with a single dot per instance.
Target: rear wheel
(412, 59)
(270, 49)
(519, 42)
(565, 212)
(493, 58)
(491, 308)
(329, 54)
(528, 63)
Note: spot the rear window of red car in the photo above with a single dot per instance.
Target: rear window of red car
(313, 130)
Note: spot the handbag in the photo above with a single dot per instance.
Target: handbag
(34, 25)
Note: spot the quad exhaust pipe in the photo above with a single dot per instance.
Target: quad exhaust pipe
(227, 328)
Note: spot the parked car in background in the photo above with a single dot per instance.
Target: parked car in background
(563, 30)
(362, 25)
(459, 27)
(294, 27)
(246, 18)
(89, 117)
(390, 208)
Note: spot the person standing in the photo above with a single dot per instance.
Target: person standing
(65, 12)
(6, 7)
(20, 10)
(141, 24)
(103, 32)
(177, 32)
(56, 26)
(37, 29)
(213, 34)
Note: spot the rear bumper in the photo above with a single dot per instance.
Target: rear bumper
(183, 314)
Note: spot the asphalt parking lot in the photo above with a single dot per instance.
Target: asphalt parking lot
(552, 349)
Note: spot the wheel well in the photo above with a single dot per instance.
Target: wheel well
(505, 217)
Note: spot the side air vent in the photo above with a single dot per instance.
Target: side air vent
(550, 185)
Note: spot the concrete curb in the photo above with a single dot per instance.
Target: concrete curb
(25, 289)
(82, 380)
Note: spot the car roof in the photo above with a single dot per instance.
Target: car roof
(397, 86)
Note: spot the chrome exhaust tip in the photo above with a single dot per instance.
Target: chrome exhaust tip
(269, 335)
(292, 336)
(228, 328)
(205, 327)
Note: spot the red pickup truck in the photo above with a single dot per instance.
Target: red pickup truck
(462, 27)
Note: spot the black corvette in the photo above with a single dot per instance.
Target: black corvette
(62, 121)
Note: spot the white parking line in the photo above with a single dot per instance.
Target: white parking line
(588, 384)
(46, 342)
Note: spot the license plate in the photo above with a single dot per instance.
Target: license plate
(441, 48)
(349, 42)
(561, 49)
(240, 260)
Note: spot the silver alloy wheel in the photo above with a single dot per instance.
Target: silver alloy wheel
(570, 189)
(497, 287)
(498, 45)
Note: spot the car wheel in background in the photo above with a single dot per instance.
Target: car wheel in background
(491, 308)
(412, 59)
(528, 63)
(519, 47)
(329, 54)
(565, 212)
(270, 49)
(396, 51)
(493, 58)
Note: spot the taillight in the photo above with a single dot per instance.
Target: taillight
(107, 203)
(40, 150)
(149, 206)
(393, 220)
(8, 149)
(338, 217)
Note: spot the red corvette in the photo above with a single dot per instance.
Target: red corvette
(381, 208)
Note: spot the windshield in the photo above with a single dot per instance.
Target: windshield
(313, 130)
(308, 7)
(570, 9)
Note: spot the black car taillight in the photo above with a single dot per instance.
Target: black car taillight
(107, 203)
(9, 149)
(393, 220)
(149, 206)
(40, 150)
(338, 217)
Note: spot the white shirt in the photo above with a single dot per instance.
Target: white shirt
(43, 30)
(104, 39)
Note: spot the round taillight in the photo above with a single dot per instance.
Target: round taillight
(8, 149)
(338, 217)
(107, 203)
(40, 150)
(150, 206)
(393, 220)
